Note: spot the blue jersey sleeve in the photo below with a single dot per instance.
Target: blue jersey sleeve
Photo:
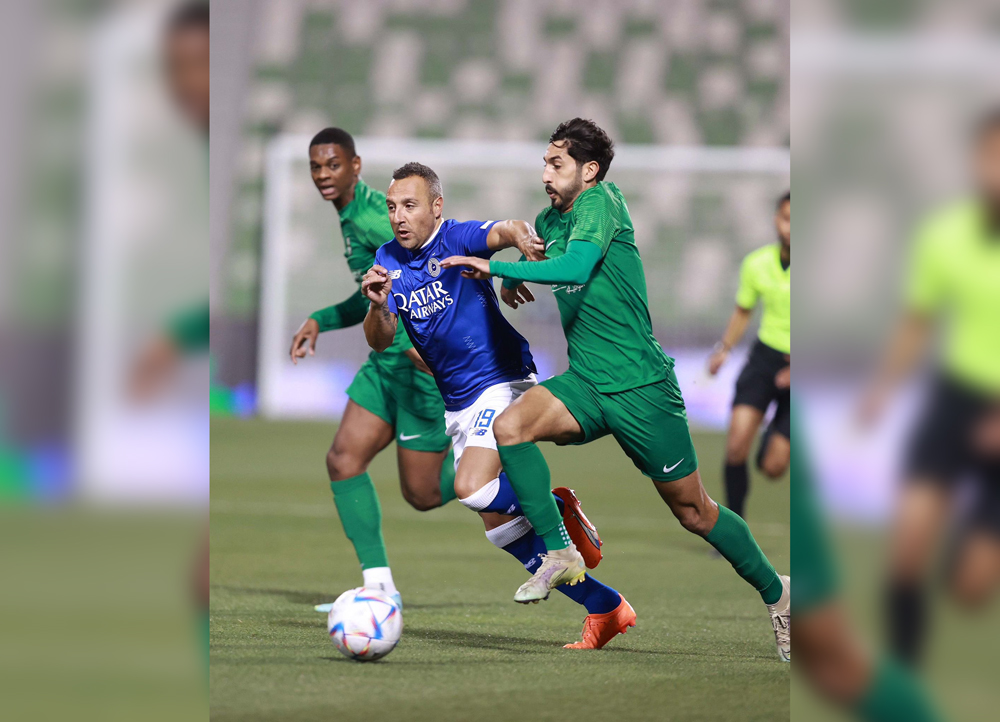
(471, 238)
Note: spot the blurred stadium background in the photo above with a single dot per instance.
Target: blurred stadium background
(103, 236)
(884, 99)
(694, 93)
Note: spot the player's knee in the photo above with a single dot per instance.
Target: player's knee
(508, 429)
(774, 468)
(423, 501)
(466, 485)
(692, 518)
(341, 465)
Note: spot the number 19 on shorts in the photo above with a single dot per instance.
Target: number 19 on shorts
(482, 423)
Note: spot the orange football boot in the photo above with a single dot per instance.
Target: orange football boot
(581, 531)
(599, 629)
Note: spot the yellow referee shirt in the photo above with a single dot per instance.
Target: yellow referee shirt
(763, 278)
(955, 273)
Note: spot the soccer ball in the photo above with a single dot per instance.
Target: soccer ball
(365, 624)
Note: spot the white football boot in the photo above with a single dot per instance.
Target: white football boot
(563, 566)
(781, 620)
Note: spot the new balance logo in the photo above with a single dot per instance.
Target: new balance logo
(395, 274)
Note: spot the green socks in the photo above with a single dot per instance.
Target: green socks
(732, 538)
(448, 478)
(529, 475)
(361, 516)
(895, 696)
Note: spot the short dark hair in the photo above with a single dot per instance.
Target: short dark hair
(587, 141)
(419, 169)
(334, 136)
(189, 15)
(786, 198)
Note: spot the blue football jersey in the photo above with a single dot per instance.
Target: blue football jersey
(454, 322)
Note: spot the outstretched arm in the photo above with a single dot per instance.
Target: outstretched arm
(516, 234)
(380, 323)
(575, 266)
(341, 315)
(349, 312)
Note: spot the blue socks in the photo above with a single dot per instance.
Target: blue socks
(505, 502)
(596, 597)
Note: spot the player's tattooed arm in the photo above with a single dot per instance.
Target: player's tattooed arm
(380, 323)
(516, 234)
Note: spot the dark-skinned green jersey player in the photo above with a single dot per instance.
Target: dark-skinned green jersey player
(392, 396)
(619, 380)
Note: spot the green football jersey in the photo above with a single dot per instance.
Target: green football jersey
(364, 223)
(762, 278)
(955, 274)
(606, 320)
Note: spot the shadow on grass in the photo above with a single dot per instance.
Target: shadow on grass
(449, 605)
(313, 598)
(318, 623)
(480, 640)
(396, 662)
(292, 595)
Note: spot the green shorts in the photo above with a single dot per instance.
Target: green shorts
(405, 398)
(648, 422)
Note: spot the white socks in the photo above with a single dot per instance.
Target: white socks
(509, 532)
(379, 578)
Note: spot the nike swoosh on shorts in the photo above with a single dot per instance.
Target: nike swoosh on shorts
(404, 437)
(667, 471)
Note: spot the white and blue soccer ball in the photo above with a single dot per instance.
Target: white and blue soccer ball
(365, 624)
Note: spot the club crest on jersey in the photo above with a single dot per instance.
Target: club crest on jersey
(434, 267)
(424, 302)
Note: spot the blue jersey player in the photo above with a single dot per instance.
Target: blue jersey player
(480, 363)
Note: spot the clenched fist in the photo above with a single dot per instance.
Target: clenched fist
(376, 285)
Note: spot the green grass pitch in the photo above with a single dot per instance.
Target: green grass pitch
(703, 648)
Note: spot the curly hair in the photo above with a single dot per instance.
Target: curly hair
(586, 142)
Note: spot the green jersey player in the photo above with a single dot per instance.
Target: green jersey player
(619, 381)
(393, 395)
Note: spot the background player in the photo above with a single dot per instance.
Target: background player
(955, 275)
(619, 380)
(765, 379)
(391, 396)
(830, 652)
(481, 365)
(186, 56)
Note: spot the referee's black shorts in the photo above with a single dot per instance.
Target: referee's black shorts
(942, 448)
(756, 387)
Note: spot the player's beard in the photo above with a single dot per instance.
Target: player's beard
(566, 197)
